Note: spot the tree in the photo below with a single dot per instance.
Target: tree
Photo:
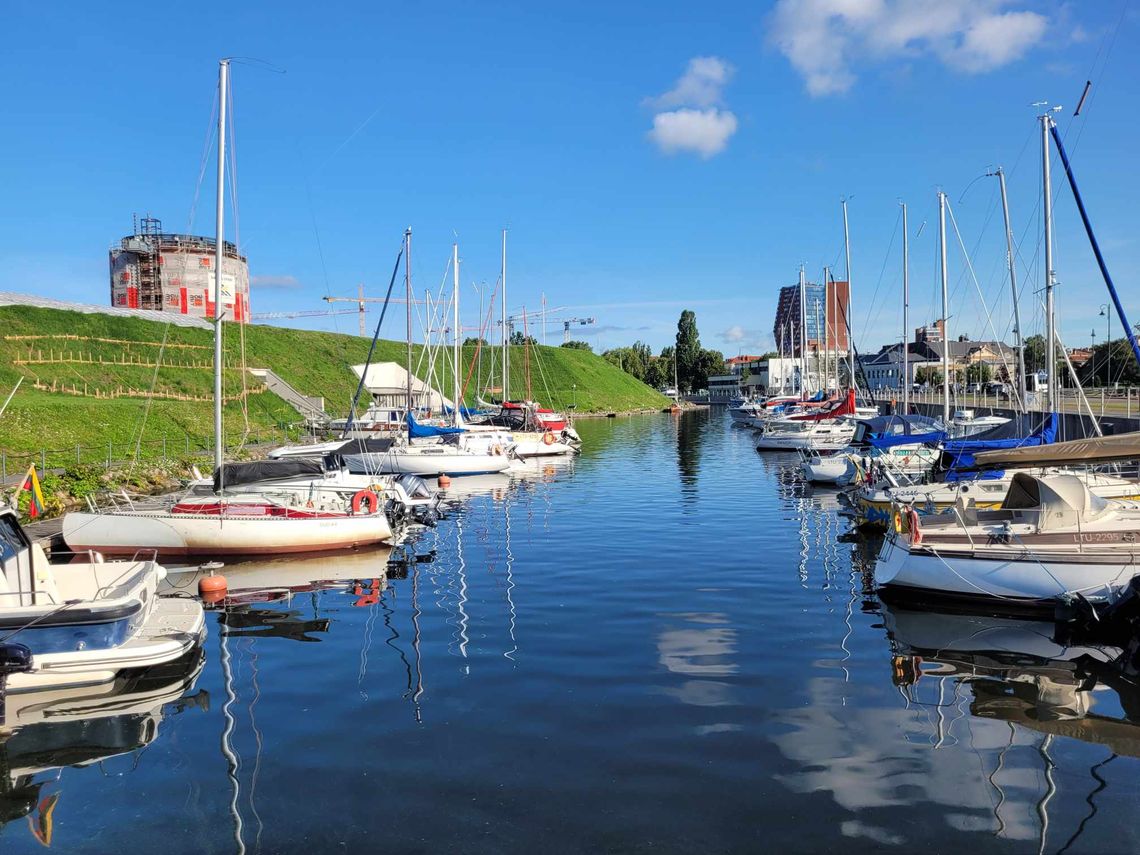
(1035, 353)
(709, 363)
(472, 341)
(576, 345)
(688, 350)
(979, 372)
(665, 360)
(928, 375)
(518, 339)
(658, 374)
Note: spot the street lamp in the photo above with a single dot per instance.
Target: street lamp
(1108, 345)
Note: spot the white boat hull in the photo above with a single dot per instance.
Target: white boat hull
(127, 532)
(976, 575)
(826, 470)
(427, 462)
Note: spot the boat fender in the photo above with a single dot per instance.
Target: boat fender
(548, 438)
(912, 522)
(365, 496)
(898, 521)
(212, 588)
(497, 450)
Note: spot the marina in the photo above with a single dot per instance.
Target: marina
(542, 680)
(566, 441)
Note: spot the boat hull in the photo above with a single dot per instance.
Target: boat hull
(1032, 577)
(426, 464)
(126, 532)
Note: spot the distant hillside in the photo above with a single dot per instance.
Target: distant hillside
(88, 378)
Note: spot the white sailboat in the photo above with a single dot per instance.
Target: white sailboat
(221, 524)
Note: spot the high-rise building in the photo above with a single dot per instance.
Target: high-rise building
(825, 320)
(175, 273)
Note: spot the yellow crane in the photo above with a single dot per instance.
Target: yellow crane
(360, 300)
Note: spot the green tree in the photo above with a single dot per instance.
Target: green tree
(688, 350)
(709, 363)
(929, 375)
(979, 372)
(576, 345)
(666, 361)
(518, 339)
(472, 341)
(1035, 353)
(658, 374)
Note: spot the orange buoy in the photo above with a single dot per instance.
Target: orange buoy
(212, 588)
(444, 482)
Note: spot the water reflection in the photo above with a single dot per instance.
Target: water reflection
(691, 427)
(45, 732)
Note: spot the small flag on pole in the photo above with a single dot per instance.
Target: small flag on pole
(32, 485)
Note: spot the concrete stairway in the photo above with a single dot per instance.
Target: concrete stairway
(313, 409)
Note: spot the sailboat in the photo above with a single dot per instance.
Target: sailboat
(223, 524)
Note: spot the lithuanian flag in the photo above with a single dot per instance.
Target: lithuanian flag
(32, 485)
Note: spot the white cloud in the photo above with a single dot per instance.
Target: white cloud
(826, 40)
(700, 86)
(691, 116)
(274, 282)
(733, 334)
(705, 132)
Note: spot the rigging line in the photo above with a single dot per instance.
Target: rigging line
(257, 738)
(233, 188)
(372, 346)
(150, 397)
(211, 131)
(882, 271)
(1102, 783)
(233, 765)
(970, 267)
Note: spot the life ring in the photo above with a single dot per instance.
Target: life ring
(365, 496)
(912, 523)
(898, 521)
(548, 438)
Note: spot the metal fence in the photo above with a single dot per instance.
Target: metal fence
(13, 464)
(1103, 402)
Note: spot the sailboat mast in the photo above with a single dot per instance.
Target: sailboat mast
(803, 332)
(847, 268)
(219, 254)
(506, 396)
(906, 313)
(1050, 317)
(455, 333)
(827, 317)
(1020, 342)
(945, 310)
(408, 297)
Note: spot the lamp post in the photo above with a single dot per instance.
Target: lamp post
(1104, 313)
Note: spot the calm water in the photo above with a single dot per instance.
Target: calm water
(664, 646)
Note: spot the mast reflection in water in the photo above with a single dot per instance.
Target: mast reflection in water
(669, 642)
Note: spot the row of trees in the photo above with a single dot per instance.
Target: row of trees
(686, 360)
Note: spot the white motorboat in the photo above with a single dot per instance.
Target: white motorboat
(967, 423)
(1053, 538)
(82, 623)
(807, 435)
(746, 411)
(819, 468)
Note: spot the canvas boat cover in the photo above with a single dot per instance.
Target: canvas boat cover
(887, 431)
(418, 431)
(1060, 501)
(1101, 449)
(1024, 431)
(233, 474)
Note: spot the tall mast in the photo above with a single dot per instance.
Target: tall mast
(803, 332)
(945, 311)
(455, 332)
(408, 293)
(906, 314)
(830, 360)
(506, 326)
(219, 254)
(1018, 338)
(847, 268)
(1050, 317)
(819, 375)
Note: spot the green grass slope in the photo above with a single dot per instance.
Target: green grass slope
(77, 377)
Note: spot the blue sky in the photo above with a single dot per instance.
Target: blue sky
(646, 157)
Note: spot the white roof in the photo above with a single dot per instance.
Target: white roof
(388, 378)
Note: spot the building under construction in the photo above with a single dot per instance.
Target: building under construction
(151, 269)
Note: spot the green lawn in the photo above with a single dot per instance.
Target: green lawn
(315, 363)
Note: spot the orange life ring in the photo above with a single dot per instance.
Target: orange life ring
(368, 496)
(548, 438)
(912, 523)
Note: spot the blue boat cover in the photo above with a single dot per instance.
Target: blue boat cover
(887, 431)
(418, 431)
(1018, 432)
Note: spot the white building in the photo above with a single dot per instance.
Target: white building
(387, 383)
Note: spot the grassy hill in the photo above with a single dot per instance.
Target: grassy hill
(88, 380)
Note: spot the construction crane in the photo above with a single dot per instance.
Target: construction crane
(360, 300)
(542, 319)
(319, 313)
